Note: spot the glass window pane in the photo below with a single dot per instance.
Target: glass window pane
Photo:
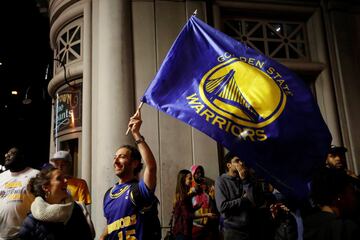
(232, 28)
(72, 57)
(76, 48)
(249, 26)
(279, 29)
(71, 32)
(258, 33)
(271, 34)
(293, 53)
(64, 37)
(77, 35)
(273, 46)
(298, 36)
(281, 53)
(259, 45)
(289, 28)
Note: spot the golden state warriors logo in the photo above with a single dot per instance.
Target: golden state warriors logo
(242, 93)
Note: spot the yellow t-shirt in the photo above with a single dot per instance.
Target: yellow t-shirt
(79, 190)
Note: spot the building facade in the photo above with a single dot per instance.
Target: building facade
(108, 51)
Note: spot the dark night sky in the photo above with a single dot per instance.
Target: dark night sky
(25, 54)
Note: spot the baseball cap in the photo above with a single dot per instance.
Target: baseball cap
(61, 155)
(337, 149)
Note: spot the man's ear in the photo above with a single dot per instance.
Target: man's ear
(327, 160)
(135, 163)
(45, 188)
(228, 165)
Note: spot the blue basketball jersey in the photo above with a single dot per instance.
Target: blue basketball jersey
(124, 220)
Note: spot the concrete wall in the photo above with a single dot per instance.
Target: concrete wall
(342, 22)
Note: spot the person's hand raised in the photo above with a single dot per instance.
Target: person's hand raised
(135, 123)
(242, 170)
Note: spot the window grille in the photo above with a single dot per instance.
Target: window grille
(68, 47)
(276, 39)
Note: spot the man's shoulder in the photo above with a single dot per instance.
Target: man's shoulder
(222, 177)
(226, 179)
(5, 174)
(32, 171)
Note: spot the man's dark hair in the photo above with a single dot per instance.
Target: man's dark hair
(35, 185)
(227, 159)
(134, 155)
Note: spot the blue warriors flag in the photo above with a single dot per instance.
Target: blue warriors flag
(252, 105)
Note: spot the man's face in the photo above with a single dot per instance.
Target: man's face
(336, 160)
(123, 164)
(12, 159)
(199, 174)
(62, 165)
(235, 164)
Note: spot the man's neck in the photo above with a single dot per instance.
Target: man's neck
(232, 173)
(126, 179)
(17, 169)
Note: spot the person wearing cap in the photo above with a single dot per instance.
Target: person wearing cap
(77, 187)
(336, 159)
(15, 201)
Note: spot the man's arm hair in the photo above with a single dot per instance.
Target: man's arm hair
(150, 165)
(145, 151)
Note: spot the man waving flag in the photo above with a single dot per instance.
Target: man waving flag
(252, 105)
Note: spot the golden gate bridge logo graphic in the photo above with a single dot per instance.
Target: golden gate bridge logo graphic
(242, 93)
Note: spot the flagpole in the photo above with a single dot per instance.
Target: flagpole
(138, 109)
(195, 13)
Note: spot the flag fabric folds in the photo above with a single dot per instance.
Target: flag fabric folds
(249, 103)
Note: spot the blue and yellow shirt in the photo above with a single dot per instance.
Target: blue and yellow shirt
(123, 204)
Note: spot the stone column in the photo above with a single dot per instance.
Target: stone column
(113, 94)
(86, 100)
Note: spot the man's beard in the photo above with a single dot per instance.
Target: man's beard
(123, 173)
(14, 165)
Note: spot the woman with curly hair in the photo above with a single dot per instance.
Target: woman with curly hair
(54, 214)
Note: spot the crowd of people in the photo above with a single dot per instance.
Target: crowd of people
(51, 204)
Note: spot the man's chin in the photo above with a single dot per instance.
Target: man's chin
(10, 165)
(339, 166)
(119, 173)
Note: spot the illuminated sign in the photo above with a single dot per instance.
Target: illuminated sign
(68, 108)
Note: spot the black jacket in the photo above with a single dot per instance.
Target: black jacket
(326, 226)
(75, 228)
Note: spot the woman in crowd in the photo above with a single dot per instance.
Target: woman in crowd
(183, 209)
(204, 228)
(54, 214)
